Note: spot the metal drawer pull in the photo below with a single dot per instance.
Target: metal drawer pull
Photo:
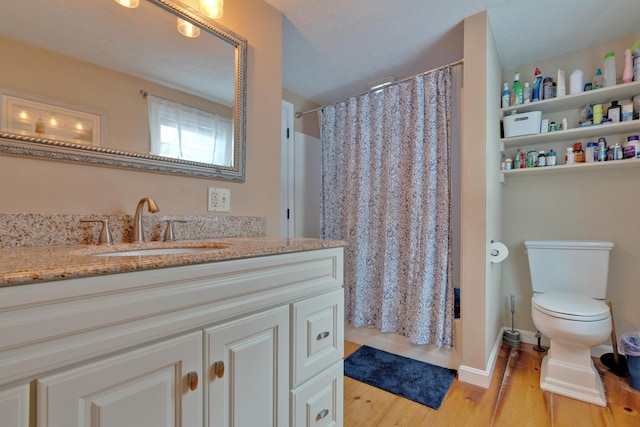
(322, 335)
(322, 414)
(218, 369)
(192, 380)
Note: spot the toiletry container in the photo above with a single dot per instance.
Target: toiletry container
(536, 92)
(632, 147)
(598, 80)
(561, 89)
(506, 96)
(576, 82)
(635, 51)
(614, 112)
(597, 114)
(609, 70)
(627, 71)
(517, 89)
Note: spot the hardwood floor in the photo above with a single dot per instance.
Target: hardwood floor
(513, 399)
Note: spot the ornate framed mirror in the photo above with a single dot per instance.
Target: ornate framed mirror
(67, 60)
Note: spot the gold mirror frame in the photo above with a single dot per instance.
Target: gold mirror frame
(49, 149)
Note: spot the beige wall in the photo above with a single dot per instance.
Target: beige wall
(592, 205)
(307, 124)
(53, 187)
(473, 190)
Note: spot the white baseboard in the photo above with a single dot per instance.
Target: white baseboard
(479, 377)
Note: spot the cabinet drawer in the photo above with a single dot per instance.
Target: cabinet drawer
(318, 335)
(318, 402)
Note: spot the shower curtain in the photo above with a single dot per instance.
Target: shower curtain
(386, 192)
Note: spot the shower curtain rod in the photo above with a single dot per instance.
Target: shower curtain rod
(452, 64)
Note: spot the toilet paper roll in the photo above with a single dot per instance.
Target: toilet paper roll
(498, 252)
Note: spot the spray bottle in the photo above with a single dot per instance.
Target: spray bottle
(517, 89)
(537, 86)
(506, 96)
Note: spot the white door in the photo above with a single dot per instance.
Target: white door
(248, 371)
(287, 172)
(154, 386)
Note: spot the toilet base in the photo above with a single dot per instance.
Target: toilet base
(578, 381)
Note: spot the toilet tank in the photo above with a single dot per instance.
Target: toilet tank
(571, 266)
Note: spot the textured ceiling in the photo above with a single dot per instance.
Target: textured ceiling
(333, 48)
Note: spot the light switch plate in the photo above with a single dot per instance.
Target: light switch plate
(219, 199)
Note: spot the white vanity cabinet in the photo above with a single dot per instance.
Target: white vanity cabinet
(200, 345)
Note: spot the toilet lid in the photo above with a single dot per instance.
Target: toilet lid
(569, 306)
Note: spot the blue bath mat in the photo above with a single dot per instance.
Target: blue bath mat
(414, 380)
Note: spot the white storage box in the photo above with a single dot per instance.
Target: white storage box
(522, 124)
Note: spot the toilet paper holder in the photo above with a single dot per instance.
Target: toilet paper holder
(498, 251)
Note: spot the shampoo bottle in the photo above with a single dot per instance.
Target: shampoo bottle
(536, 92)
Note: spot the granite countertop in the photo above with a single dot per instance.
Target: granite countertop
(20, 266)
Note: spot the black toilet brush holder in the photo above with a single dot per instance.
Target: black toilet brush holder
(512, 337)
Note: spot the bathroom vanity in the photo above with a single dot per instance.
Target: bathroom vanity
(249, 333)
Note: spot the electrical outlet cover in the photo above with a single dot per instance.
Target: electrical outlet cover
(219, 199)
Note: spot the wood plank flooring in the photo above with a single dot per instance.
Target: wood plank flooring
(513, 399)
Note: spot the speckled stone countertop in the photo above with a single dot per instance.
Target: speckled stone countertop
(24, 265)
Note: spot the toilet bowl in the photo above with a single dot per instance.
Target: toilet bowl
(568, 368)
(569, 280)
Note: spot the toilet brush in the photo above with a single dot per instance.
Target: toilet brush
(512, 337)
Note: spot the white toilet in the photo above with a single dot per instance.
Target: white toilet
(569, 280)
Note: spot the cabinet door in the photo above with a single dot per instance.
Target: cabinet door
(14, 406)
(248, 371)
(153, 386)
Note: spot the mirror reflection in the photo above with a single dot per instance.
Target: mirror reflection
(121, 86)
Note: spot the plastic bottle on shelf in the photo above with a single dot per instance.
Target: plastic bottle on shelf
(614, 112)
(635, 51)
(506, 96)
(609, 69)
(536, 92)
(627, 71)
(598, 80)
(632, 147)
(551, 158)
(517, 89)
(526, 93)
(569, 157)
(576, 81)
(591, 154)
(578, 152)
(542, 159)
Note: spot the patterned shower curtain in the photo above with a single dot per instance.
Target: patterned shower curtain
(386, 192)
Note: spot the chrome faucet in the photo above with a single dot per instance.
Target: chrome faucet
(138, 231)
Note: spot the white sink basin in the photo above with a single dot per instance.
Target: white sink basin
(172, 250)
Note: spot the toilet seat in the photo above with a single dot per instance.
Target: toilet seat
(570, 306)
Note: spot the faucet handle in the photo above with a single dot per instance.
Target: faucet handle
(105, 237)
(168, 234)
